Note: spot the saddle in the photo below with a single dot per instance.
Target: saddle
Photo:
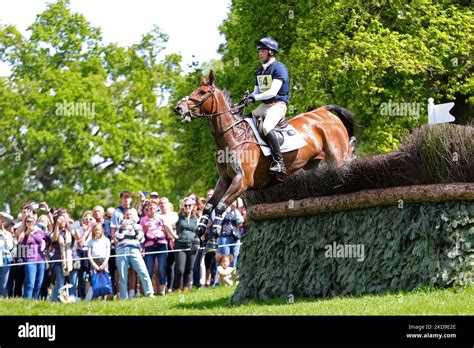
(288, 138)
(282, 127)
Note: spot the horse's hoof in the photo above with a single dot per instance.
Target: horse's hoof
(280, 177)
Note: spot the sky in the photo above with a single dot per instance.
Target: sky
(125, 21)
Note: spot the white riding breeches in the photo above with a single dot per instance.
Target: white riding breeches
(271, 114)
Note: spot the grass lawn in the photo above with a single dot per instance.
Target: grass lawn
(215, 301)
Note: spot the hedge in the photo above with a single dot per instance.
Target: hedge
(405, 247)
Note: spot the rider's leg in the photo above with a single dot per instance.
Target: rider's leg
(277, 166)
(273, 115)
(258, 116)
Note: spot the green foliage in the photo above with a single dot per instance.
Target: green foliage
(404, 248)
(360, 54)
(81, 121)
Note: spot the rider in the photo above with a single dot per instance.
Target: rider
(272, 86)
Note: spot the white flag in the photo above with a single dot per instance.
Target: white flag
(439, 113)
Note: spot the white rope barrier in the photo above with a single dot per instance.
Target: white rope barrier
(110, 256)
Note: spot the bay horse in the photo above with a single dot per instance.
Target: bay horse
(327, 135)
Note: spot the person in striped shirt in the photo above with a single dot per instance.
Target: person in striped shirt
(129, 238)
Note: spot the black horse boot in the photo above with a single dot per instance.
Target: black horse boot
(211, 244)
(215, 230)
(277, 166)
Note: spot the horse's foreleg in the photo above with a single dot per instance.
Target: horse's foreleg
(204, 219)
(219, 191)
(236, 188)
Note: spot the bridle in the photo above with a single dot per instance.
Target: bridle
(199, 103)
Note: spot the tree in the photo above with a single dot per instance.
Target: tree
(360, 54)
(81, 120)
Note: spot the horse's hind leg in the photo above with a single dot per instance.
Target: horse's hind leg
(338, 150)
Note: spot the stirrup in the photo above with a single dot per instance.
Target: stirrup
(277, 167)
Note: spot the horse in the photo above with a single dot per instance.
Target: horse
(328, 137)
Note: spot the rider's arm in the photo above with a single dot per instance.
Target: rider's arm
(272, 92)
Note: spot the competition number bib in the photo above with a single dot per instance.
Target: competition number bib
(264, 82)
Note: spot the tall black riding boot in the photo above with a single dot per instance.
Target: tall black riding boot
(277, 166)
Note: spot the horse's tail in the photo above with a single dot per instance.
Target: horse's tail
(345, 115)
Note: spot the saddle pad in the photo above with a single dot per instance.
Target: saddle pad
(290, 142)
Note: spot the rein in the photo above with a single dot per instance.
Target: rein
(199, 103)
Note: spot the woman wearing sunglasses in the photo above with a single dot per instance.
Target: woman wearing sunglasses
(32, 244)
(156, 240)
(186, 242)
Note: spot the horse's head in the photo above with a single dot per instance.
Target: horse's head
(200, 103)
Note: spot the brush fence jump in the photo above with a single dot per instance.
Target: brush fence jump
(358, 243)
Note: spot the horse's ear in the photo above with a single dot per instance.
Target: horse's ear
(211, 77)
(202, 79)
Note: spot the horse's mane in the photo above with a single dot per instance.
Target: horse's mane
(229, 101)
(227, 97)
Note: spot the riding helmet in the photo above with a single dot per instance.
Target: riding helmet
(268, 43)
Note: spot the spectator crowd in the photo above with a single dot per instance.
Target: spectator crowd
(142, 249)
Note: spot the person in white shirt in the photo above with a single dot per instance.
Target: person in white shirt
(98, 249)
(224, 271)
